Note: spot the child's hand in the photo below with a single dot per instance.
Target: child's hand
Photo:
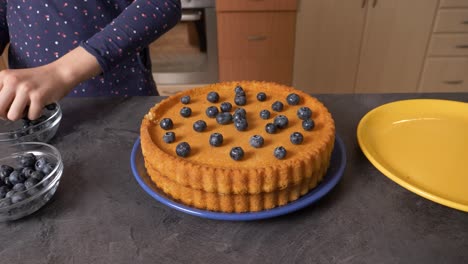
(34, 87)
(37, 87)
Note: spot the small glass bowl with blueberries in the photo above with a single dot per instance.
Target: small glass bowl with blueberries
(30, 173)
(42, 129)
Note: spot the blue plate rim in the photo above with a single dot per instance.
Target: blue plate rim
(313, 196)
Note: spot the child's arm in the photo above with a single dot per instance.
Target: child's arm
(39, 86)
(136, 27)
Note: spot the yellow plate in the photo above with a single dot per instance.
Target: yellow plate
(422, 145)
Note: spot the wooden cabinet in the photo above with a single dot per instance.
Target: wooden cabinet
(453, 3)
(328, 45)
(445, 75)
(452, 20)
(449, 45)
(446, 66)
(346, 46)
(256, 40)
(394, 45)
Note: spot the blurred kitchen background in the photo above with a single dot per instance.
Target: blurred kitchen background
(319, 46)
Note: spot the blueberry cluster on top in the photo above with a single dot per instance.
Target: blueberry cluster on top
(239, 118)
(240, 115)
(240, 98)
(305, 114)
(17, 184)
(239, 90)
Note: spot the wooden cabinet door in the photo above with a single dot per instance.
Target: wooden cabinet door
(452, 21)
(445, 74)
(256, 46)
(453, 3)
(328, 40)
(449, 45)
(394, 45)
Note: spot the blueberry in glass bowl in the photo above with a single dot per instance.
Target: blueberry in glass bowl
(42, 129)
(24, 191)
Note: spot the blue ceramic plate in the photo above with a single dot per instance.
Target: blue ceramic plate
(334, 174)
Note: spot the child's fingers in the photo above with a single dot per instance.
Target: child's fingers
(16, 111)
(35, 110)
(6, 98)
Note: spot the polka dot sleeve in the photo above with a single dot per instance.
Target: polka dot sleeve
(4, 38)
(136, 27)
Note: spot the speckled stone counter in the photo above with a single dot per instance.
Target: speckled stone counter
(101, 215)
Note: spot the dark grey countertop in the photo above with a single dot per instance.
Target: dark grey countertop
(101, 215)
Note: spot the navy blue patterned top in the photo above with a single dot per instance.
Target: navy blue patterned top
(116, 32)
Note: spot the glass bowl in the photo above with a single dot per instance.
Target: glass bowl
(40, 190)
(24, 130)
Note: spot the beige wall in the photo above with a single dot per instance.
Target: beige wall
(303, 38)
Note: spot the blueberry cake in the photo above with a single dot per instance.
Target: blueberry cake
(237, 146)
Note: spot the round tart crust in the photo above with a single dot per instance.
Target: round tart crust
(209, 179)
